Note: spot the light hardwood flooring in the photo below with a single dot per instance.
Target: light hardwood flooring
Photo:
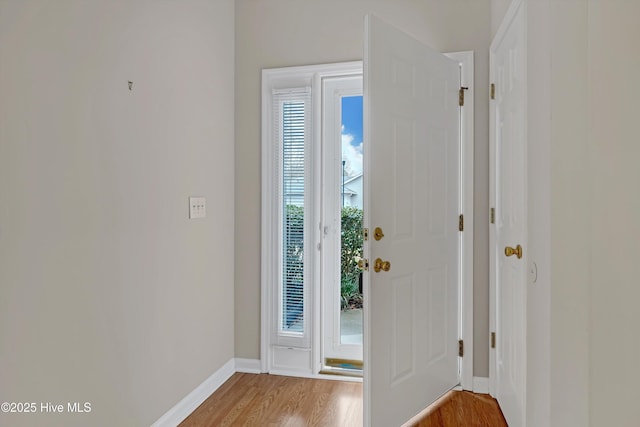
(463, 408)
(269, 400)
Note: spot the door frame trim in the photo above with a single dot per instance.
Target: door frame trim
(465, 307)
(332, 86)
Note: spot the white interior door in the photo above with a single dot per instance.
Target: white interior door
(508, 139)
(412, 180)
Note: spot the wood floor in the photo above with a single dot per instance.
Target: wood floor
(269, 400)
(463, 408)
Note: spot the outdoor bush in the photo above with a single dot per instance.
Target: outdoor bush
(350, 253)
(294, 262)
(294, 249)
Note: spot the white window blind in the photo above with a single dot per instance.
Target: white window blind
(292, 113)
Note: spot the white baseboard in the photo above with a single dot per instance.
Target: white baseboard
(186, 406)
(481, 385)
(248, 366)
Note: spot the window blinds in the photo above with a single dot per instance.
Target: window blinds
(291, 108)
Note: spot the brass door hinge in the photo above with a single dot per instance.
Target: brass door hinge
(493, 91)
(365, 234)
(461, 95)
(493, 340)
(461, 223)
(493, 215)
(460, 348)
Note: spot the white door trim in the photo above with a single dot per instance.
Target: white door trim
(465, 59)
(333, 90)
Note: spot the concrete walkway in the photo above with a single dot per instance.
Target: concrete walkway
(351, 326)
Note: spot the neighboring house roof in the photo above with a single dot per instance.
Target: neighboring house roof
(351, 182)
(352, 178)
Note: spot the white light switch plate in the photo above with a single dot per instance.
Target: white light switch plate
(197, 207)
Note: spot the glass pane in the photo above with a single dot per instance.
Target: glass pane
(293, 134)
(351, 236)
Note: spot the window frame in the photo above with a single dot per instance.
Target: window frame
(289, 353)
(279, 100)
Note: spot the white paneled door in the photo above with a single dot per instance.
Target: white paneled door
(508, 135)
(412, 180)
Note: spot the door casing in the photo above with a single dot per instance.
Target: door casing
(333, 90)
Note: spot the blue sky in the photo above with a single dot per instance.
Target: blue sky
(352, 134)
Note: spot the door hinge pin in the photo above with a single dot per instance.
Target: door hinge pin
(461, 95)
(493, 215)
(493, 340)
(460, 348)
(461, 223)
(493, 91)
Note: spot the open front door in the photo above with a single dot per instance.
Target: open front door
(412, 184)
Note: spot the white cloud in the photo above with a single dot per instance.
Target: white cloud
(352, 155)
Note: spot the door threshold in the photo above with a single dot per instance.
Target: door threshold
(353, 364)
(342, 372)
(342, 367)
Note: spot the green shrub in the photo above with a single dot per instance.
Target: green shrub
(350, 252)
(294, 249)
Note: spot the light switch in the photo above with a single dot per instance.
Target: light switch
(197, 207)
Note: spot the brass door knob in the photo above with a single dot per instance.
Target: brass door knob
(377, 233)
(509, 251)
(379, 264)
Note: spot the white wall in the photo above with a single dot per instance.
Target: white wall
(281, 33)
(108, 293)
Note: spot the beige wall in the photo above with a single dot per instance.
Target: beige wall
(570, 215)
(538, 212)
(108, 293)
(595, 205)
(498, 10)
(281, 33)
(614, 150)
